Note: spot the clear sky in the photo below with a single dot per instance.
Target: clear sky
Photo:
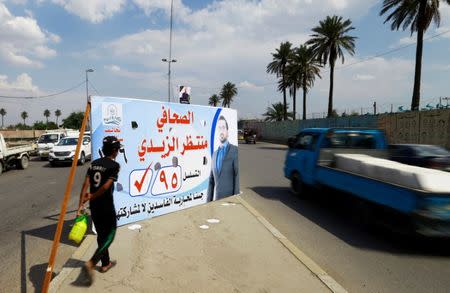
(46, 45)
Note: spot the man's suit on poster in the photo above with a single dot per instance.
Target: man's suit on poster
(224, 182)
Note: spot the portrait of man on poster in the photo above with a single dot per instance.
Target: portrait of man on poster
(224, 177)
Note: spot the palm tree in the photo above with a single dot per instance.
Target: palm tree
(278, 67)
(290, 82)
(328, 42)
(3, 113)
(214, 100)
(24, 116)
(276, 112)
(57, 114)
(47, 114)
(308, 67)
(227, 94)
(293, 74)
(417, 15)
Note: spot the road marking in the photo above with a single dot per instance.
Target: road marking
(326, 279)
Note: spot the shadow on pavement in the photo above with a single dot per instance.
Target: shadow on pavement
(55, 217)
(48, 232)
(335, 216)
(60, 165)
(273, 148)
(81, 280)
(35, 159)
(37, 272)
(36, 276)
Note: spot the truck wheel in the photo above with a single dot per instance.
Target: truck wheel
(297, 185)
(1, 168)
(24, 162)
(82, 159)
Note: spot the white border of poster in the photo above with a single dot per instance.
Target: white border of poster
(167, 163)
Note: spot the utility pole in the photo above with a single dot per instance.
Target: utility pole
(374, 108)
(170, 60)
(87, 82)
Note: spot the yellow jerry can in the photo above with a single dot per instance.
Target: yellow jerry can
(78, 229)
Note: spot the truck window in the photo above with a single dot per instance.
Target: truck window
(48, 138)
(306, 141)
(350, 140)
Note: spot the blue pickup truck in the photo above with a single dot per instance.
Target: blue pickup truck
(311, 165)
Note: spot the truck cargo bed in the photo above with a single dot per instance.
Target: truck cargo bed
(401, 198)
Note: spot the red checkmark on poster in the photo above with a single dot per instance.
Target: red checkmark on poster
(139, 183)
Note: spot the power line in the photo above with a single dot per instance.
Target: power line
(389, 51)
(46, 96)
(373, 57)
(256, 85)
(93, 87)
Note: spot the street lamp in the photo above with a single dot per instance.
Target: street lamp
(169, 73)
(170, 60)
(87, 82)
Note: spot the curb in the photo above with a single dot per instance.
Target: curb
(326, 279)
(66, 270)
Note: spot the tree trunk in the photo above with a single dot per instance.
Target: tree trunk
(2, 121)
(330, 96)
(304, 101)
(294, 103)
(415, 102)
(284, 97)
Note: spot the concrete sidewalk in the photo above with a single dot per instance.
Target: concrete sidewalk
(172, 254)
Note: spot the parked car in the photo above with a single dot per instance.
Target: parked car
(240, 134)
(250, 136)
(46, 142)
(428, 156)
(64, 151)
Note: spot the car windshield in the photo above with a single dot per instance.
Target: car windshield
(48, 138)
(431, 151)
(68, 141)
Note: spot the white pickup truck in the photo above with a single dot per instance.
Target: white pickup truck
(18, 156)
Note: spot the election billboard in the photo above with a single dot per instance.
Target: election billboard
(173, 156)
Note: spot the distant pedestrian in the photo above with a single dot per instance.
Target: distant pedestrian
(100, 179)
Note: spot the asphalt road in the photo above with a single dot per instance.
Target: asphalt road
(360, 259)
(30, 201)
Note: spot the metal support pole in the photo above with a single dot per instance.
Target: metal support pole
(87, 82)
(62, 214)
(170, 43)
